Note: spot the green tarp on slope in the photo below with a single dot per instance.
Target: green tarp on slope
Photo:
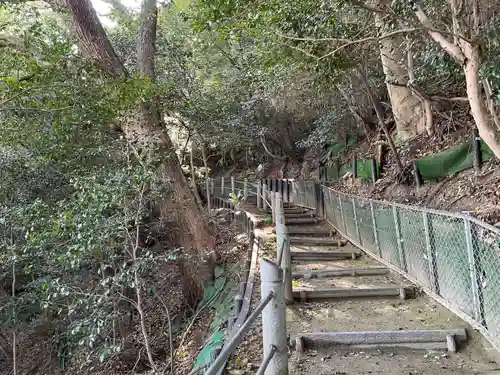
(363, 170)
(451, 161)
(336, 148)
(219, 296)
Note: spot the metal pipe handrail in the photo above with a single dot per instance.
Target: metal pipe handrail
(265, 362)
(267, 202)
(238, 336)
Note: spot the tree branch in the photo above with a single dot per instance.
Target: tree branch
(452, 49)
(263, 141)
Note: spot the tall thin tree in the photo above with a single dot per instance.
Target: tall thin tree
(148, 133)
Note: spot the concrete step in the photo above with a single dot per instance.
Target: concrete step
(446, 339)
(340, 272)
(309, 231)
(400, 292)
(302, 221)
(319, 241)
(323, 255)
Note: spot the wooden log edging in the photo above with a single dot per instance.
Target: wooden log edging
(424, 339)
(318, 241)
(339, 272)
(323, 255)
(347, 293)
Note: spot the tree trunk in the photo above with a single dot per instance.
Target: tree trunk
(407, 109)
(380, 117)
(148, 133)
(207, 179)
(92, 38)
(193, 180)
(484, 123)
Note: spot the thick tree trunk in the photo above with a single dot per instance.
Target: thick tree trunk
(207, 182)
(407, 109)
(147, 134)
(194, 186)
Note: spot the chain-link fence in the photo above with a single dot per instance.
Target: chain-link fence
(453, 257)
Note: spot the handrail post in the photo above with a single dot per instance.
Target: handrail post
(265, 194)
(279, 211)
(286, 194)
(273, 201)
(233, 187)
(222, 192)
(259, 193)
(274, 319)
(245, 189)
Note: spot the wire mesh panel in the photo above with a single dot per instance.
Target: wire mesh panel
(299, 193)
(452, 262)
(310, 194)
(386, 233)
(487, 260)
(348, 214)
(330, 210)
(414, 244)
(334, 199)
(365, 224)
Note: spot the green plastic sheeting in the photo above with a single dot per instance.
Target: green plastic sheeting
(451, 161)
(363, 170)
(336, 148)
(219, 296)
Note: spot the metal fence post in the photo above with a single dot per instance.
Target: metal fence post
(317, 198)
(399, 239)
(265, 195)
(259, 193)
(342, 215)
(222, 192)
(375, 231)
(273, 202)
(474, 274)
(274, 318)
(286, 197)
(431, 254)
(233, 187)
(358, 234)
(279, 211)
(245, 189)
